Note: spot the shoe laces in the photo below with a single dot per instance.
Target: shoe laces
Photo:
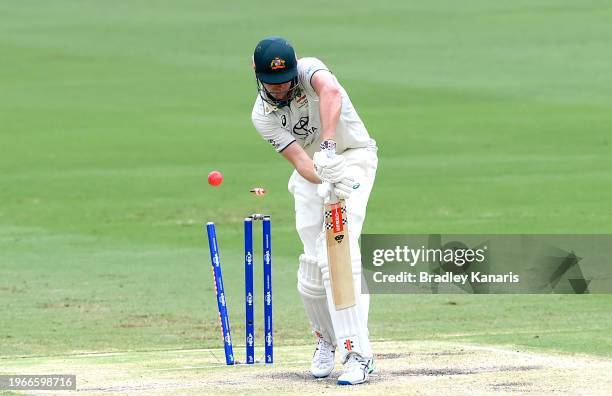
(324, 350)
(356, 362)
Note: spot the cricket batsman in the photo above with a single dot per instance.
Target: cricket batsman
(303, 112)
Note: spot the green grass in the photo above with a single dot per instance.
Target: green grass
(490, 118)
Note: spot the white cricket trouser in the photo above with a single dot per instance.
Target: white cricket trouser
(347, 329)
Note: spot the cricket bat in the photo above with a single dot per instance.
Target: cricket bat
(338, 247)
(339, 254)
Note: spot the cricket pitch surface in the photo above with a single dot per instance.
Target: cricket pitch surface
(413, 367)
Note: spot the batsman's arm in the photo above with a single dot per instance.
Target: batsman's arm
(295, 154)
(330, 102)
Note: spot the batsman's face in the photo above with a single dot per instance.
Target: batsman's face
(278, 91)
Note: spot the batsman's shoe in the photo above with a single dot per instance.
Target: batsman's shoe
(356, 370)
(323, 359)
(371, 366)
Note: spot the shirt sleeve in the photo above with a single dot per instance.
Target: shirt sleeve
(272, 132)
(307, 68)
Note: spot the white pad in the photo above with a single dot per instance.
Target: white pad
(350, 324)
(311, 289)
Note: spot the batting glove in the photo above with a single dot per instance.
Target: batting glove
(324, 191)
(329, 169)
(342, 189)
(345, 187)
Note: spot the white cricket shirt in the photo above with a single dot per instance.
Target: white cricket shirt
(300, 122)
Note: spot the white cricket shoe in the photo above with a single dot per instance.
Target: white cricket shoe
(323, 359)
(356, 370)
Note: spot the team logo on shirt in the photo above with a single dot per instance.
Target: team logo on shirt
(277, 64)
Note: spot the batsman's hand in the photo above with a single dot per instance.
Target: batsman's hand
(342, 189)
(345, 187)
(329, 169)
(324, 192)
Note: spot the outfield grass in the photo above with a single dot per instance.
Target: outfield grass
(490, 118)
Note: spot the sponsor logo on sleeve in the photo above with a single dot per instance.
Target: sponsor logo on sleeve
(274, 143)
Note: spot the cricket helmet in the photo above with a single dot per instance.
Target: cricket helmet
(275, 62)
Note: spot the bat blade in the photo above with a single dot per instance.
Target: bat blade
(339, 255)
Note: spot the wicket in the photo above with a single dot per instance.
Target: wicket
(220, 291)
(248, 287)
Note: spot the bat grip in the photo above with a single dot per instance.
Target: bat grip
(332, 195)
(329, 146)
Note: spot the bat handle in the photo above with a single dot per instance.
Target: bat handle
(329, 146)
(332, 195)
